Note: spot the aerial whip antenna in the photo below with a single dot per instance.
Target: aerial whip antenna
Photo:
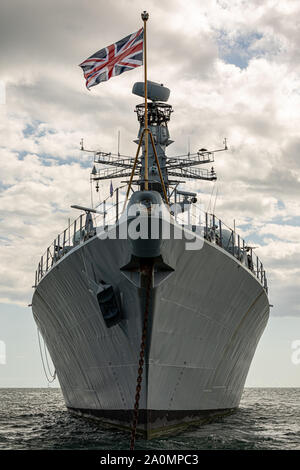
(216, 196)
(211, 194)
(119, 143)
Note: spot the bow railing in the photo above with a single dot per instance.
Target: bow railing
(108, 213)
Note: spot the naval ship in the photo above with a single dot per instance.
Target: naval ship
(163, 319)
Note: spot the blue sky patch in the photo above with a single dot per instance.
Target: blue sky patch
(236, 49)
(22, 154)
(31, 129)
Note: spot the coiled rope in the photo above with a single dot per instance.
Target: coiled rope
(141, 361)
(53, 376)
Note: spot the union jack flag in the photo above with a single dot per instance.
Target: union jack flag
(115, 59)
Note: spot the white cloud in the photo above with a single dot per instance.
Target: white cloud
(48, 110)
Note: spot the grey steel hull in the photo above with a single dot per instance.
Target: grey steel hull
(206, 318)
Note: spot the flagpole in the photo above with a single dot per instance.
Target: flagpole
(145, 17)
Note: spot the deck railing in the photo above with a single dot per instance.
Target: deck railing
(216, 231)
(109, 212)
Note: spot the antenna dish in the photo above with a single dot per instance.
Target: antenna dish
(155, 91)
(86, 209)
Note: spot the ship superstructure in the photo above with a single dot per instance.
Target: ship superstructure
(208, 306)
(164, 320)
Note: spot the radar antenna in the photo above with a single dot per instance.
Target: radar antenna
(160, 166)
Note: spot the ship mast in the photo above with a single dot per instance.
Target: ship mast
(145, 17)
(146, 133)
(153, 117)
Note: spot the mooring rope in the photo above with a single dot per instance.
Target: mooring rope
(141, 361)
(53, 376)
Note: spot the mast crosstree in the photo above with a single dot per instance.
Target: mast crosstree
(153, 168)
(179, 166)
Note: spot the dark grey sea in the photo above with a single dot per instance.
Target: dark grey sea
(268, 418)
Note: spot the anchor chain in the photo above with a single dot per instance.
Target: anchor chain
(141, 361)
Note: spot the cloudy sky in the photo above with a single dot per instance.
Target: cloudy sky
(233, 68)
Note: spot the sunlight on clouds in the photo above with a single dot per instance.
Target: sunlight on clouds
(48, 110)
